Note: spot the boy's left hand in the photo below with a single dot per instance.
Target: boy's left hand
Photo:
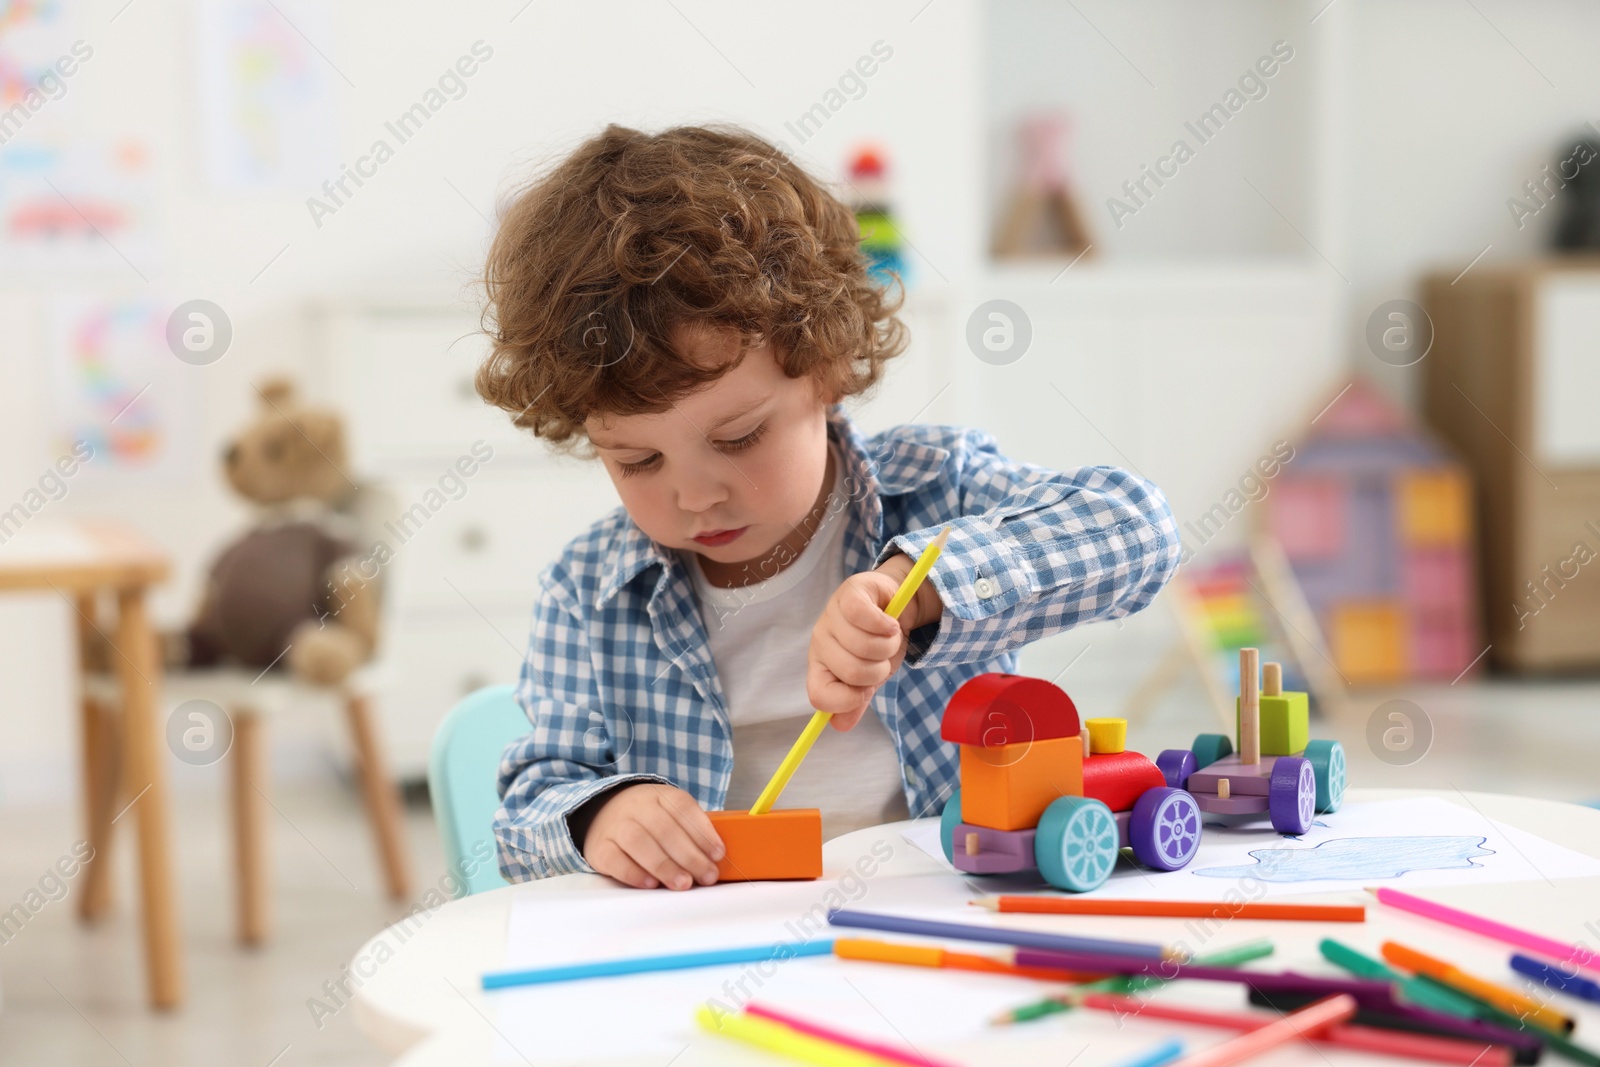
(855, 646)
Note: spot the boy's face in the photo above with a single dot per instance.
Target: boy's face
(728, 472)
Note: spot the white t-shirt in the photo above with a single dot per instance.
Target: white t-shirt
(760, 636)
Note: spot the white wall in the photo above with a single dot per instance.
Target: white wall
(1390, 144)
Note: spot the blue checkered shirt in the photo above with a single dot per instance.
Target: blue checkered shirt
(620, 687)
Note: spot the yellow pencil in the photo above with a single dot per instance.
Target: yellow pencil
(813, 730)
(775, 1037)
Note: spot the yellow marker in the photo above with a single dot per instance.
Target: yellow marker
(775, 1037)
(813, 730)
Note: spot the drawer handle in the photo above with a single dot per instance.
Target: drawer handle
(466, 389)
(471, 683)
(473, 538)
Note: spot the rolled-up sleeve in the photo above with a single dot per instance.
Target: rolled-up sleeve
(568, 756)
(1034, 551)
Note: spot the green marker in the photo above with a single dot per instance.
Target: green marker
(1427, 993)
(1420, 991)
(1133, 983)
(1487, 1012)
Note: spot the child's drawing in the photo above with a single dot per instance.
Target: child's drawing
(1357, 858)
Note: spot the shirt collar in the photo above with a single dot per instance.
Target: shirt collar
(899, 465)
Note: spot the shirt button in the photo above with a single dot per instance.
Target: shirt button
(985, 588)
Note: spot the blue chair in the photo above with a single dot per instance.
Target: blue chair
(461, 781)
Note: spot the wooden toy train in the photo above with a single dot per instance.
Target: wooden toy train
(1039, 789)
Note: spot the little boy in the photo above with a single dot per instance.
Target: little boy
(693, 307)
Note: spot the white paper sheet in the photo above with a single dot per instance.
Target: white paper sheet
(1404, 843)
(582, 1021)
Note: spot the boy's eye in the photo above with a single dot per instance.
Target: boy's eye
(640, 466)
(742, 443)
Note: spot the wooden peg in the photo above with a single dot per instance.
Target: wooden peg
(1088, 747)
(1224, 789)
(972, 843)
(1249, 707)
(1272, 679)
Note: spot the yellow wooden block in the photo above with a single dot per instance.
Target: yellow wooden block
(1107, 735)
(1434, 507)
(1007, 787)
(1369, 640)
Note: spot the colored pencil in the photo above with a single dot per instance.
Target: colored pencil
(819, 719)
(860, 948)
(1492, 1026)
(1342, 1035)
(775, 1037)
(1527, 1028)
(1156, 1055)
(1555, 978)
(1297, 1025)
(1417, 991)
(1131, 956)
(1123, 983)
(1182, 909)
(678, 961)
(1507, 1000)
(1511, 935)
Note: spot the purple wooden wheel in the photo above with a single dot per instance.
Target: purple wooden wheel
(1176, 765)
(1292, 795)
(1164, 829)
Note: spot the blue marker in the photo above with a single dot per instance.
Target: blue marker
(1556, 978)
(647, 964)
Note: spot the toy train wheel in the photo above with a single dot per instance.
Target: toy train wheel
(1327, 762)
(1176, 765)
(949, 819)
(1292, 795)
(1076, 844)
(1164, 828)
(1208, 748)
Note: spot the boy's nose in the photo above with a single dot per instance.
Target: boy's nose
(701, 491)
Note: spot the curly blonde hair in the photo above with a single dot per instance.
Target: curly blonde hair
(634, 235)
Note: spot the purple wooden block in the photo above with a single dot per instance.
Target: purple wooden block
(999, 851)
(1237, 804)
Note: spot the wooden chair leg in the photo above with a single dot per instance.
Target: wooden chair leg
(102, 779)
(382, 798)
(250, 824)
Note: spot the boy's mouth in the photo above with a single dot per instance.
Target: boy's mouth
(712, 538)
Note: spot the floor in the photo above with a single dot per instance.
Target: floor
(75, 995)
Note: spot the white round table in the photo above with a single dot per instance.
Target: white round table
(417, 983)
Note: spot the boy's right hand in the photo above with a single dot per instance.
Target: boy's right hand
(652, 834)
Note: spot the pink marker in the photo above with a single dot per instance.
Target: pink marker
(872, 1048)
(1477, 924)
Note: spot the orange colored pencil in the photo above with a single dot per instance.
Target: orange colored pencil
(1507, 1000)
(1181, 909)
(862, 948)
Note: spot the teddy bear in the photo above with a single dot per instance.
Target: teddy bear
(280, 590)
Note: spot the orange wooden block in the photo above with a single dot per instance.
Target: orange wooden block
(1007, 787)
(1434, 508)
(768, 847)
(1369, 640)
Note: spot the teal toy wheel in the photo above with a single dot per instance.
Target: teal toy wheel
(1076, 843)
(1208, 748)
(1327, 762)
(949, 819)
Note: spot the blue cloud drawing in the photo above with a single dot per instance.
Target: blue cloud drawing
(1356, 857)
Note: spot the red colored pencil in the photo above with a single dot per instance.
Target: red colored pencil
(1300, 1025)
(1182, 909)
(1342, 1035)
